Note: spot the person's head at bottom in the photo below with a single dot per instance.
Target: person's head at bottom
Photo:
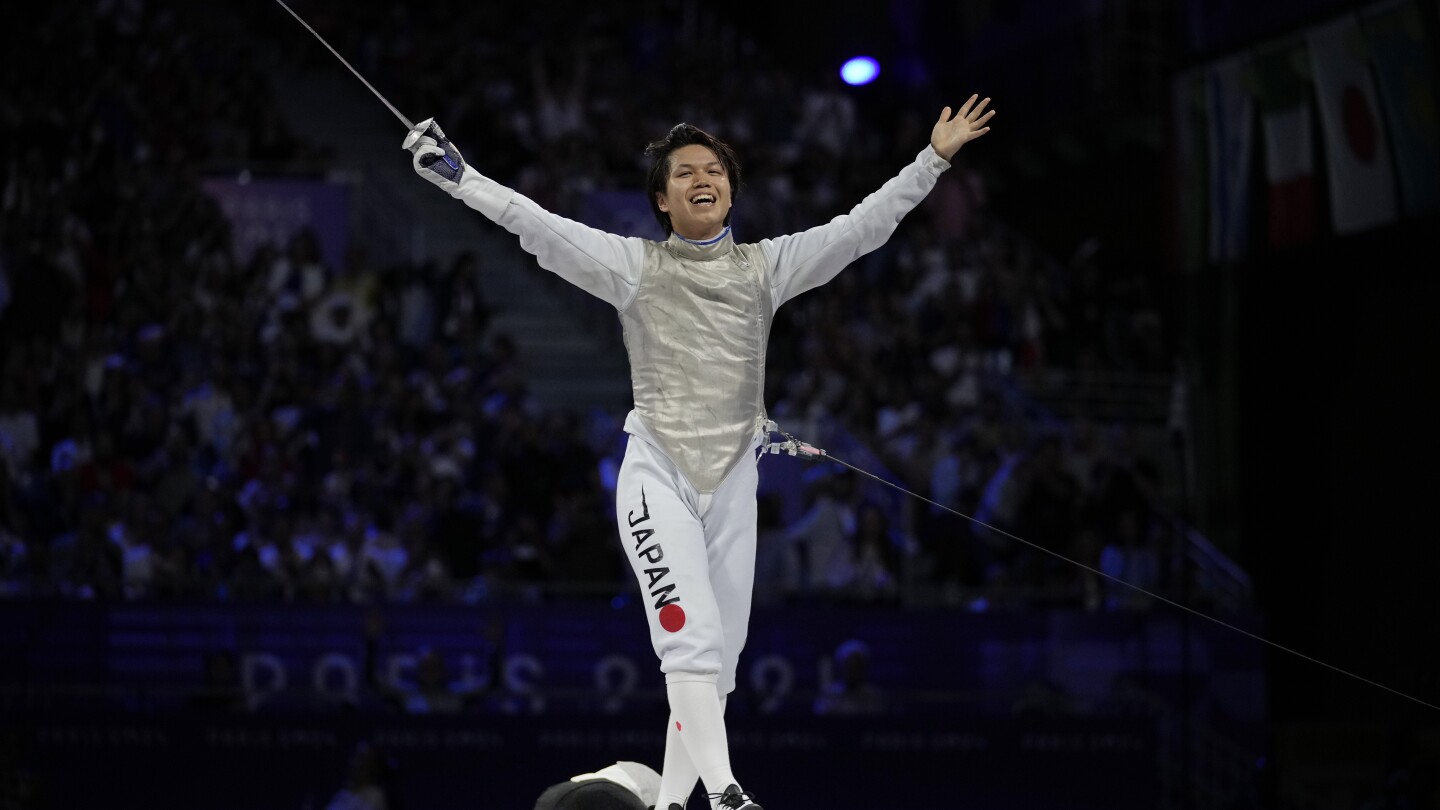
(592, 795)
(622, 786)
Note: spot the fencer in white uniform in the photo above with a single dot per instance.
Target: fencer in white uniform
(696, 311)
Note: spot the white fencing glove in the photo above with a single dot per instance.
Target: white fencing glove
(433, 156)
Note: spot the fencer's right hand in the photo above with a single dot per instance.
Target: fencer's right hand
(433, 156)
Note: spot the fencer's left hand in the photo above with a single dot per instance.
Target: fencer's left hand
(955, 130)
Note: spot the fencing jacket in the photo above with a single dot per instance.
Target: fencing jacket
(696, 315)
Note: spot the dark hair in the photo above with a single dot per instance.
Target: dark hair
(659, 153)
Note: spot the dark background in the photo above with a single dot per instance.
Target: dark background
(1326, 352)
(1320, 361)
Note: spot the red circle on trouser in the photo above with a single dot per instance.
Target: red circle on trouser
(672, 617)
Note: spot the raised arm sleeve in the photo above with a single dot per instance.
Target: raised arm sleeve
(805, 260)
(603, 264)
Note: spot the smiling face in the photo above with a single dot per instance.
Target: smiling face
(697, 193)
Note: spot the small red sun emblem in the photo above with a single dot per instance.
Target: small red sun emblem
(672, 617)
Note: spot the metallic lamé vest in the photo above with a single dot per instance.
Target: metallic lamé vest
(696, 333)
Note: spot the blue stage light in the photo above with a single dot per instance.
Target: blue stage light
(860, 70)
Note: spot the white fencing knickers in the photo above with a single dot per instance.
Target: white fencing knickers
(694, 559)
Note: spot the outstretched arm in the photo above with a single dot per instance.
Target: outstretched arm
(603, 264)
(803, 261)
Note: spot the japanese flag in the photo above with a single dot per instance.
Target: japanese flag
(1362, 181)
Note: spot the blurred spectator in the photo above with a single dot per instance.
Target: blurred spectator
(16, 578)
(1131, 557)
(221, 691)
(268, 405)
(19, 429)
(777, 574)
(464, 313)
(1042, 697)
(298, 275)
(1090, 587)
(83, 562)
(370, 782)
(956, 477)
(4, 287)
(23, 782)
(823, 536)
(1050, 512)
(433, 692)
(851, 693)
(877, 561)
(1408, 778)
(418, 307)
(828, 120)
(383, 555)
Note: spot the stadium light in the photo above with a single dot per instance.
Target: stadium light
(859, 70)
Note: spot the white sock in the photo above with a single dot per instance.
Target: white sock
(678, 775)
(697, 719)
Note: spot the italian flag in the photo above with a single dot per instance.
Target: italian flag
(1286, 118)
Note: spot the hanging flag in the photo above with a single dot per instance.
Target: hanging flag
(1187, 95)
(1362, 186)
(1405, 71)
(1231, 148)
(1289, 152)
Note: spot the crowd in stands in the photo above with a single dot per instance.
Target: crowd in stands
(176, 423)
